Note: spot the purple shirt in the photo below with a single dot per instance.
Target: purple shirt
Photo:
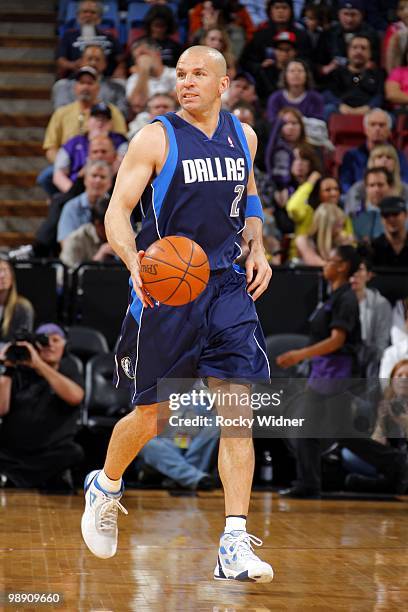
(310, 104)
(77, 150)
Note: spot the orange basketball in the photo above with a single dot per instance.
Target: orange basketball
(175, 270)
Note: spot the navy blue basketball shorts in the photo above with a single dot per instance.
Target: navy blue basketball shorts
(218, 334)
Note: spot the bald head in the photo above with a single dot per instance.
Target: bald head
(212, 58)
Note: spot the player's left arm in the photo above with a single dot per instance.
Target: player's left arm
(258, 270)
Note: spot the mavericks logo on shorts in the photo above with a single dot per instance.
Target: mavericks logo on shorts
(127, 367)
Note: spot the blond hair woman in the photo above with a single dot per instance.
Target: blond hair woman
(16, 312)
(330, 228)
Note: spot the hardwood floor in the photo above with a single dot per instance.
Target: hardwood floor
(327, 555)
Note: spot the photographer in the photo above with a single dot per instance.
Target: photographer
(380, 464)
(40, 395)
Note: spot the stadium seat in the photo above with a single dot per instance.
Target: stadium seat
(346, 129)
(280, 343)
(86, 342)
(40, 282)
(100, 297)
(104, 404)
(300, 290)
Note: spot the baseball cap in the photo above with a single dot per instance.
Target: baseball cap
(284, 37)
(86, 70)
(391, 205)
(50, 328)
(245, 75)
(357, 5)
(101, 109)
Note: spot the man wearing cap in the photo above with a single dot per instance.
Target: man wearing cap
(72, 119)
(72, 156)
(283, 48)
(111, 90)
(333, 43)
(391, 248)
(39, 403)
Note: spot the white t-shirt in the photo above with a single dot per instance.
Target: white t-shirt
(165, 83)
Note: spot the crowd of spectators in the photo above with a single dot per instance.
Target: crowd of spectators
(295, 67)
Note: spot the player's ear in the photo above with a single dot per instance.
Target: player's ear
(224, 84)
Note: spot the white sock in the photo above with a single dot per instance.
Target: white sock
(234, 523)
(111, 486)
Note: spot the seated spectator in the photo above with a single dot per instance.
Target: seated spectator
(287, 133)
(73, 42)
(46, 245)
(16, 311)
(377, 128)
(159, 26)
(382, 465)
(148, 75)
(333, 46)
(72, 120)
(366, 220)
(396, 85)
(382, 156)
(267, 64)
(158, 104)
(88, 242)
(296, 89)
(112, 91)
(72, 156)
(289, 217)
(321, 224)
(230, 15)
(355, 87)
(246, 113)
(185, 454)
(396, 37)
(316, 22)
(375, 315)
(390, 249)
(335, 337)
(39, 403)
(77, 212)
(396, 351)
(217, 38)
(241, 89)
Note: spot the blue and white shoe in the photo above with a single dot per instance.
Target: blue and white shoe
(237, 561)
(99, 520)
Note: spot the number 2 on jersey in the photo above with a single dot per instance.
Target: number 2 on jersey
(239, 190)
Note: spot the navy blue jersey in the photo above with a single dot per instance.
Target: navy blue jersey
(201, 191)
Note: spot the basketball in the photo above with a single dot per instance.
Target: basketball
(175, 270)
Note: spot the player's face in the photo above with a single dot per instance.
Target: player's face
(199, 83)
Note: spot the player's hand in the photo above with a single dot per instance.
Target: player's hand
(288, 359)
(141, 292)
(258, 272)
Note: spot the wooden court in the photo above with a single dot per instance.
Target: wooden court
(327, 555)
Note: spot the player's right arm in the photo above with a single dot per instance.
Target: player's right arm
(145, 157)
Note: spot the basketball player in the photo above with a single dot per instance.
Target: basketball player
(199, 164)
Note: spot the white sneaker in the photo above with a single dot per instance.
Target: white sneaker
(237, 561)
(99, 520)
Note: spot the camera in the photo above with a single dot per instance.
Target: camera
(398, 407)
(16, 354)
